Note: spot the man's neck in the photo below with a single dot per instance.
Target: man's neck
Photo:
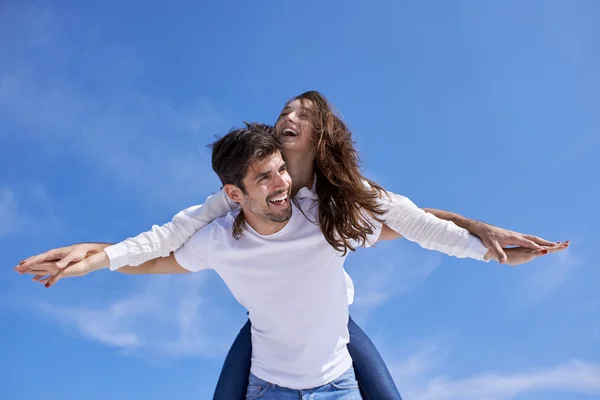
(301, 170)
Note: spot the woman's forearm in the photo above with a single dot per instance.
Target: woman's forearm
(459, 220)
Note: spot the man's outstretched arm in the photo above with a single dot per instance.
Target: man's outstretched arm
(49, 275)
(160, 241)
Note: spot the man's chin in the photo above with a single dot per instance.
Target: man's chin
(281, 217)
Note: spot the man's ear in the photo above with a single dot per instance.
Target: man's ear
(234, 192)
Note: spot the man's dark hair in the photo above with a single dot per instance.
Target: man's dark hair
(236, 151)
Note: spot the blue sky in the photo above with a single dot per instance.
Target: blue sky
(488, 109)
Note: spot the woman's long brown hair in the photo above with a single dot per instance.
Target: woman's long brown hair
(347, 200)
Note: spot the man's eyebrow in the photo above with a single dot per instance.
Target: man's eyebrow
(262, 175)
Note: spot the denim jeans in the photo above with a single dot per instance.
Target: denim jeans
(374, 379)
(343, 388)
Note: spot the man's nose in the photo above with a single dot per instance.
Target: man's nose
(282, 182)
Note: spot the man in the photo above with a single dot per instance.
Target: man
(277, 263)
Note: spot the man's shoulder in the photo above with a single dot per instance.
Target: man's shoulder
(224, 223)
(217, 227)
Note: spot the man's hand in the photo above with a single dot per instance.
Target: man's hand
(522, 255)
(497, 239)
(48, 273)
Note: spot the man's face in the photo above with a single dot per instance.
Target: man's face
(268, 188)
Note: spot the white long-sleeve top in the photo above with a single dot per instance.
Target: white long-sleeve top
(402, 215)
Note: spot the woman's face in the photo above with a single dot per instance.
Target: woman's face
(293, 128)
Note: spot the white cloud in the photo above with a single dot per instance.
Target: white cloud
(26, 210)
(415, 366)
(573, 376)
(167, 316)
(10, 221)
(549, 274)
(418, 377)
(382, 273)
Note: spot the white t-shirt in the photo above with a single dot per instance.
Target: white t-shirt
(293, 285)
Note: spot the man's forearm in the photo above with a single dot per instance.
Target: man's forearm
(459, 220)
(143, 269)
(156, 266)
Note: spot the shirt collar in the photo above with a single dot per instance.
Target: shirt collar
(308, 193)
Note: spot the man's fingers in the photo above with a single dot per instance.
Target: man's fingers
(68, 259)
(49, 267)
(497, 249)
(45, 268)
(25, 260)
(540, 241)
(530, 244)
(50, 255)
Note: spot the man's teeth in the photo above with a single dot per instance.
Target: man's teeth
(290, 132)
(279, 199)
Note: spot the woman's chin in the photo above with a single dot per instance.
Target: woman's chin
(290, 147)
(295, 146)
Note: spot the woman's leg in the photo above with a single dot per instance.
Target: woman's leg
(233, 381)
(373, 377)
(372, 374)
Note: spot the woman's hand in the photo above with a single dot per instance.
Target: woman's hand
(51, 261)
(48, 272)
(522, 255)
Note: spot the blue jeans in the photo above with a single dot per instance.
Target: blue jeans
(343, 388)
(374, 379)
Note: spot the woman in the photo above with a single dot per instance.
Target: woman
(317, 146)
(320, 156)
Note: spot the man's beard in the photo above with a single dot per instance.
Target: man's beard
(280, 217)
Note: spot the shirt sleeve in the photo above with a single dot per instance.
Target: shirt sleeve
(160, 241)
(373, 237)
(193, 255)
(429, 231)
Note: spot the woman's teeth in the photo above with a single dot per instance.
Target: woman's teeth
(289, 132)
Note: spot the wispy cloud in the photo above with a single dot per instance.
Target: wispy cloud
(383, 273)
(573, 376)
(146, 143)
(10, 220)
(30, 216)
(166, 316)
(416, 366)
(549, 274)
(418, 377)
